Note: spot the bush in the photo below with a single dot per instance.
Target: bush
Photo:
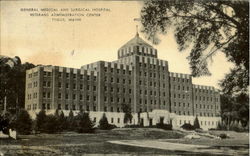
(188, 126)
(84, 124)
(103, 123)
(164, 126)
(196, 123)
(221, 126)
(23, 123)
(133, 126)
(62, 122)
(4, 124)
(111, 126)
(71, 122)
(51, 124)
(223, 136)
(40, 120)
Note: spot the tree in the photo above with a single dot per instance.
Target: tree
(23, 123)
(40, 120)
(127, 113)
(12, 84)
(207, 27)
(196, 123)
(84, 124)
(103, 123)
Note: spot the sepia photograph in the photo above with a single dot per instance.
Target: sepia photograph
(113, 77)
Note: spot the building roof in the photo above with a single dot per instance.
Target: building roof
(136, 41)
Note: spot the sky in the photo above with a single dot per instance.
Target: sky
(40, 40)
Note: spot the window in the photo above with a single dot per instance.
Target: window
(59, 95)
(44, 83)
(118, 120)
(59, 84)
(48, 106)
(48, 95)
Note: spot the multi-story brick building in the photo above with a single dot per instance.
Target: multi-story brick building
(138, 79)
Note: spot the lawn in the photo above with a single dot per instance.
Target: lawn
(75, 144)
(70, 143)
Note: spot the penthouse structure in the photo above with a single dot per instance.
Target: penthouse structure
(137, 79)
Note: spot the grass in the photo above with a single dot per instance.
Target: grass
(75, 144)
(70, 143)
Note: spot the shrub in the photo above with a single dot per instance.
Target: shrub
(188, 126)
(4, 124)
(223, 136)
(164, 126)
(196, 123)
(133, 126)
(71, 122)
(84, 124)
(221, 126)
(103, 123)
(23, 123)
(40, 120)
(62, 122)
(51, 124)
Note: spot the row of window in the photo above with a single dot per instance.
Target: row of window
(67, 85)
(201, 122)
(179, 79)
(74, 97)
(183, 96)
(33, 106)
(179, 88)
(118, 71)
(203, 91)
(117, 90)
(117, 99)
(205, 99)
(33, 74)
(204, 106)
(151, 83)
(152, 102)
(30, 96)
(88, 77)
(151, 93)
(35, 84)
(48, 74)
(151, 75)
(117, 80)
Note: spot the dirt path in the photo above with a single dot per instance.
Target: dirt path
(179, 147)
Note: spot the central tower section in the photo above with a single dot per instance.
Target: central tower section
(137, 46)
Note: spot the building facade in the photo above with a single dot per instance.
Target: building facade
(138, 79)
